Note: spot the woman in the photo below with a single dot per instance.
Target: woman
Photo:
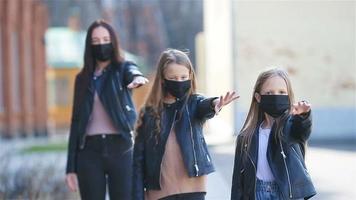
(100, 144)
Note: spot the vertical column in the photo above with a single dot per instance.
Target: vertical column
(25, 80)
(2, 107)
(10, 76)
(39, 68)
(43, 25)
(218, 60)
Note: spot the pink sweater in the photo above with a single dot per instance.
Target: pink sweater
(174, 177)
(99, 121)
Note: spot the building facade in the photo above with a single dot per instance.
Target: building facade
(314, 41)
(23, 106)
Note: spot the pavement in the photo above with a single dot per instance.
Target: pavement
(332, 167)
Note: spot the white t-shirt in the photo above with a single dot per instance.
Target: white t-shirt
(264, 172)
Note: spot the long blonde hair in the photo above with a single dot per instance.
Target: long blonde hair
(256, 115)
(154, 102)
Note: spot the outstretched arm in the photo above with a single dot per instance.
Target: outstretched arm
(209, 107)
(137, 82)
(133, 78)
(301, 121)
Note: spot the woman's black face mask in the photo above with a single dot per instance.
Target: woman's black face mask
(274, 105)
(103, 52)
(177, 88)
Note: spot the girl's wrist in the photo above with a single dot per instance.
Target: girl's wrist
(217, 109)
(215, 105)
(214, 102)
(305, 114)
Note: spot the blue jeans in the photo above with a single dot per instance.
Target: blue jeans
(266, 190)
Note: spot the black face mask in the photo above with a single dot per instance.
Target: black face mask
(274, 105)
(177, 88)
(103, 52)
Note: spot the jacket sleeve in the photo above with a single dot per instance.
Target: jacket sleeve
(138, 164)
(236, 174)
(73, 133)
(301, 127)
(130, 71)
(205, 109)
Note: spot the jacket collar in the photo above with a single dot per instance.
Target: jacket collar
(106, 72)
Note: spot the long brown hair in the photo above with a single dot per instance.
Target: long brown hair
(256, 115)
(154, 102)
(89, 60)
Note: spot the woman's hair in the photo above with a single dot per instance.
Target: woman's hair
(256, 115)
(154, 102)
(89, 59)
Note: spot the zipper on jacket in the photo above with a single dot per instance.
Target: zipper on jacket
(120, 104)
(286, 167)
(301, 160)
(205, 151)
(174, 120)
(82, 145)
(193, 144)
(118, 75)
(296, 153)
(254, 166)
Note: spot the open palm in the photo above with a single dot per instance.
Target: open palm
(224, 100)
(300, 108)
(137, 82)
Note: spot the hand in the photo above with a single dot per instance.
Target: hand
(72, 182)
(222, 101)
(301, 107)
(137, 82)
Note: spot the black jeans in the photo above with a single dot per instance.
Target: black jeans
(186, 196)
(106, 160)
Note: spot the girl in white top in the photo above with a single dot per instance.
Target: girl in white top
(269, 158)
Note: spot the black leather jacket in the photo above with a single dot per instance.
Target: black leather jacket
(285, 158)
(189, 118)
(116, 99)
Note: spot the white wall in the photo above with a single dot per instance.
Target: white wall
(214, 64)
(315, 42)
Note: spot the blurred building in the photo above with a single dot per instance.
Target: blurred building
(23, 108)
(314, 41)
(145, 28)
(64, 55)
